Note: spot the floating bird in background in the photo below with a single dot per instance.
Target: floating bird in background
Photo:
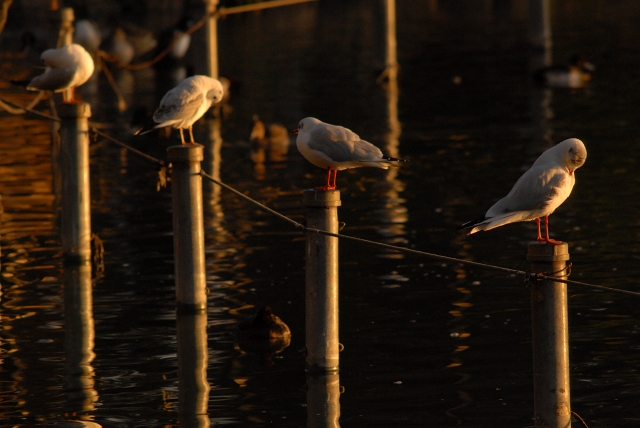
(574, 75)
(336, 148)
(183, 105)
(540, 190)
(67, 67)
(264, 325)
(268, 143)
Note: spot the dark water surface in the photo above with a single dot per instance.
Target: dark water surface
(427, 344)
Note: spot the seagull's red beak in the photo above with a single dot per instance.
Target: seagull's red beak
(295, 131)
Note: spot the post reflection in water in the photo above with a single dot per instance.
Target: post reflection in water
(393, 215)
(193, 354)
(323, 400)
(215, 159)
(79, 382)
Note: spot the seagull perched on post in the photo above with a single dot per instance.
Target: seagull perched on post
(540, 190)
(183, 105)
(67, 67)
(335, 148)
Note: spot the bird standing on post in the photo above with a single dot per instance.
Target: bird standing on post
(335, 148)
(67, 67)
(183, 105)
(540, 190)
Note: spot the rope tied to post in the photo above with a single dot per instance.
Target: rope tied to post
(542, 276)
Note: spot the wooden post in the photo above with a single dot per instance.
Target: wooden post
(75, 193)
(188, 227)
(552, 407)
(321, 254)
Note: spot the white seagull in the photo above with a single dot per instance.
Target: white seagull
(183, 105)
(335, 148)
(67, 67)
(540, 190)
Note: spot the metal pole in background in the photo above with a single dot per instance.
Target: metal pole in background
(212, 38)
(551, 396)
(65, 36)
(74, 169)
(540, 25)
(391, 45)
(188, 227)
(321, 253)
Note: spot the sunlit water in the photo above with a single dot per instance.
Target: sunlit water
(426, 343)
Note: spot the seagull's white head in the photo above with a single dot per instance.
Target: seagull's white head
(215, 92)
(573, 154)
(305, 125)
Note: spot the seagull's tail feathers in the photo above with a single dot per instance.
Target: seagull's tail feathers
(496, 221)
(147, 127)
(474, 225)
(384, 162)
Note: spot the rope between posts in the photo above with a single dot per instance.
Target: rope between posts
(529, 276)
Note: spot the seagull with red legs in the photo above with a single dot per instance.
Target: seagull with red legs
(183, 105)
(540, 190)
(335, 148)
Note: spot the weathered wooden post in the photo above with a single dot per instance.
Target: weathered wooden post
(552, 406)
(321, 254)
(188, 227)
(323, 400)
(212, 38)
(74, 170)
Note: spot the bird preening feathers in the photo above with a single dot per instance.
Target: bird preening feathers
(538, 192)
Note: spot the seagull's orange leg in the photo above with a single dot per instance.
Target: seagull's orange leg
(546, 229)
(335, 176)
(539, 238)
(191, 134)
(328, 185)
(182, 136)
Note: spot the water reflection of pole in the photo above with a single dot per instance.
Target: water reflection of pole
(323, 400)
(393, 213)
(192, 370)
(215, 158)
(78, 342)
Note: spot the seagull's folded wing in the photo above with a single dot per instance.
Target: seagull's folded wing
(537, 189)
(176, 107)
(53, 79)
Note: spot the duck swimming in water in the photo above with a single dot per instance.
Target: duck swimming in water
(576, 74)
